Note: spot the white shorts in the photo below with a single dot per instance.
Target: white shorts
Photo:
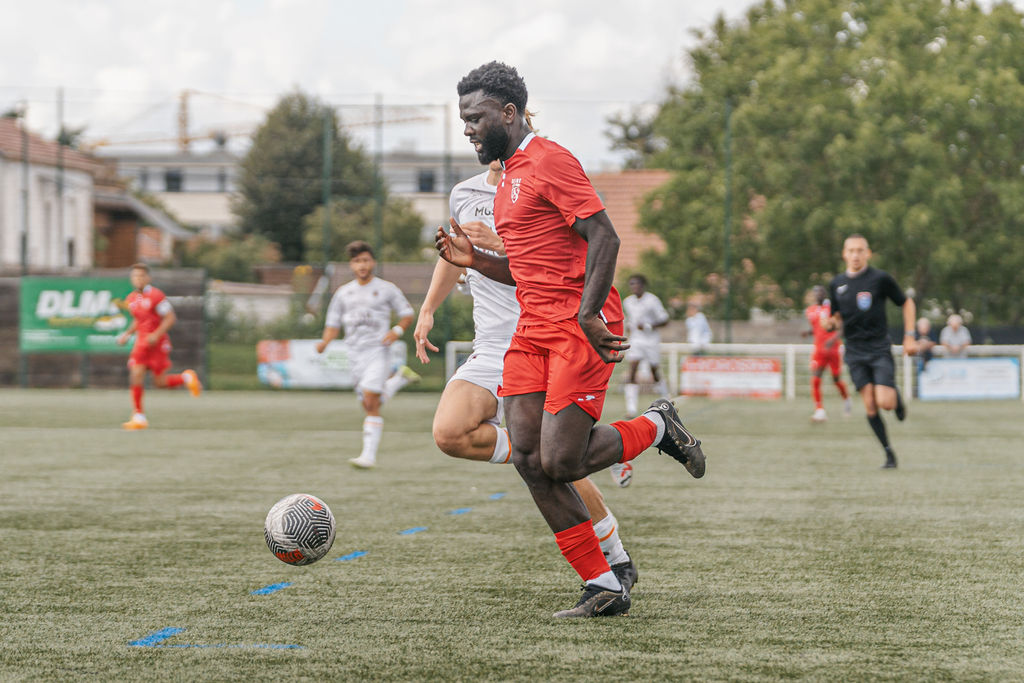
(640, 349)
(370, 368)
(483, 368)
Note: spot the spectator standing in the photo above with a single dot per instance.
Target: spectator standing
(698, 331)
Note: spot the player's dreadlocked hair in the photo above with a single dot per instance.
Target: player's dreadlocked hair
(497, 80)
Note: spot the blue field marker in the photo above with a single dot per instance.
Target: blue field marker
(351, 556)
(459, 511)
(497, 496)
(156, 637)
(272, 588)
(413, 530)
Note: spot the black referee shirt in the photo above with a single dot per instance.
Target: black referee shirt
(860, 300)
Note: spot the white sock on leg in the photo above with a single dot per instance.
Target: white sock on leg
(502, 447)
(632, 392)
(607, 531)
(373, 428)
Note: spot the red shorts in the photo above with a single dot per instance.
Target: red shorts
(156, 358)
(825, 358)
(556, 359)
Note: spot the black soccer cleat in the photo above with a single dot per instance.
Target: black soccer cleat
(678, 442)
(626, 573)
(901, 409)
(890, 460)
(597, 601)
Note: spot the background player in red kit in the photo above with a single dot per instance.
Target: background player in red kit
(152, 317)
(560, 249)
(826, 351)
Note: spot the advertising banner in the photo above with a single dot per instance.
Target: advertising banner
(719, 376)
(75, 315)
(950, 379)
(295, 364)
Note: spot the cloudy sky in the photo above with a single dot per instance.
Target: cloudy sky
(122, 63)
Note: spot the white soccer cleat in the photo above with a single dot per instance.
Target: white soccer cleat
(138, 421)
(364, 462)
(819, 415)
(622, 474)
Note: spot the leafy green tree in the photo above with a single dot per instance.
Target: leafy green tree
(232, 259)
(280, 178)
(351, 219)
(900, 121)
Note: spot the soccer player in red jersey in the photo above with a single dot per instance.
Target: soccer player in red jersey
(826, 351)
(152, 317)
(560, 254)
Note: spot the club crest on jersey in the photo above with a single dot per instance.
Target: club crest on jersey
(863, 300)
(515, 189)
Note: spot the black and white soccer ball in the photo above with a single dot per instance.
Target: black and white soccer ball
(299, 529)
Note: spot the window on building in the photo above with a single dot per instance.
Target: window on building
(173, 180)
(426, 180)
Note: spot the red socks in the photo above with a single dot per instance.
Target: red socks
(137, 398)
(841, 386)
(816, 391)
(637, 436)
(581, 548)
(174, 381)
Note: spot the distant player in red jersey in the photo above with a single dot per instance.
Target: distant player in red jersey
(152, 317)
(826, 351)
(561, 249)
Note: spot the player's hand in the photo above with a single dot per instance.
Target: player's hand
(152, 338)
(481, 235)
(424, 325)
(122, 339)
(455, 247)
(389, 338)
(909, 346)
(320, 346)
(610, 347)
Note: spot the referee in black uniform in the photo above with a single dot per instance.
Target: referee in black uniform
(858, 304)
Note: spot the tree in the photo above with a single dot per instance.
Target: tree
(232, 259)
(901, 121)
(354, 219)
(280, 179)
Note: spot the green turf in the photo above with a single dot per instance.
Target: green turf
(796, 557)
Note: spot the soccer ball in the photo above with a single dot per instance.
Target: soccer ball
(299, 529)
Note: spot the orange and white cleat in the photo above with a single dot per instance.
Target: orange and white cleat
(192, 382)
(138, 421)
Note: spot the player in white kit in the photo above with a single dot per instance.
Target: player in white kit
(363, 307)
(645, 316)
(467, 423)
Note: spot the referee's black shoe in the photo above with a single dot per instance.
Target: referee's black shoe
(890, 460)
(678, 442)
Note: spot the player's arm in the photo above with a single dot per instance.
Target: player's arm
(332, 322)
(166, 322)
(329, 335)
(122, 338)
(909, 326)
(602, 251)
(456, 248)
(662, 317)
(833, 322)
(442, 282)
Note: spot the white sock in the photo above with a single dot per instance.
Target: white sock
(502, 447)
(373, 428)
(607, 531)
(392, 385)
(659, 422)
(607, 580)
(661, 388)
(632, 392)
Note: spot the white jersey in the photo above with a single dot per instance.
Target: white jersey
(646, 309)
(495, 309)
(365, 311)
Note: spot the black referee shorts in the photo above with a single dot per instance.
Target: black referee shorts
(875, 369)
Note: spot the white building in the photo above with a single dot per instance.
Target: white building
(46, 202)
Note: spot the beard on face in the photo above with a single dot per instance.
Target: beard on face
(492, 145)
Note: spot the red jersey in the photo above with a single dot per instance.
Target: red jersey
(148, 307)
(817, 315)
(542, 192)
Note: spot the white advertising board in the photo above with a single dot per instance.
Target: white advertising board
(295, 364)
(952, 379)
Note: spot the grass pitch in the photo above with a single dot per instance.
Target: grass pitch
(796, 557)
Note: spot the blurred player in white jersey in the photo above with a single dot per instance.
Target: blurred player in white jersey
(467, 423)
(645, 316)
(364, 307)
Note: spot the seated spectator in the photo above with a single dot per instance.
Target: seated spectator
(955, 338)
